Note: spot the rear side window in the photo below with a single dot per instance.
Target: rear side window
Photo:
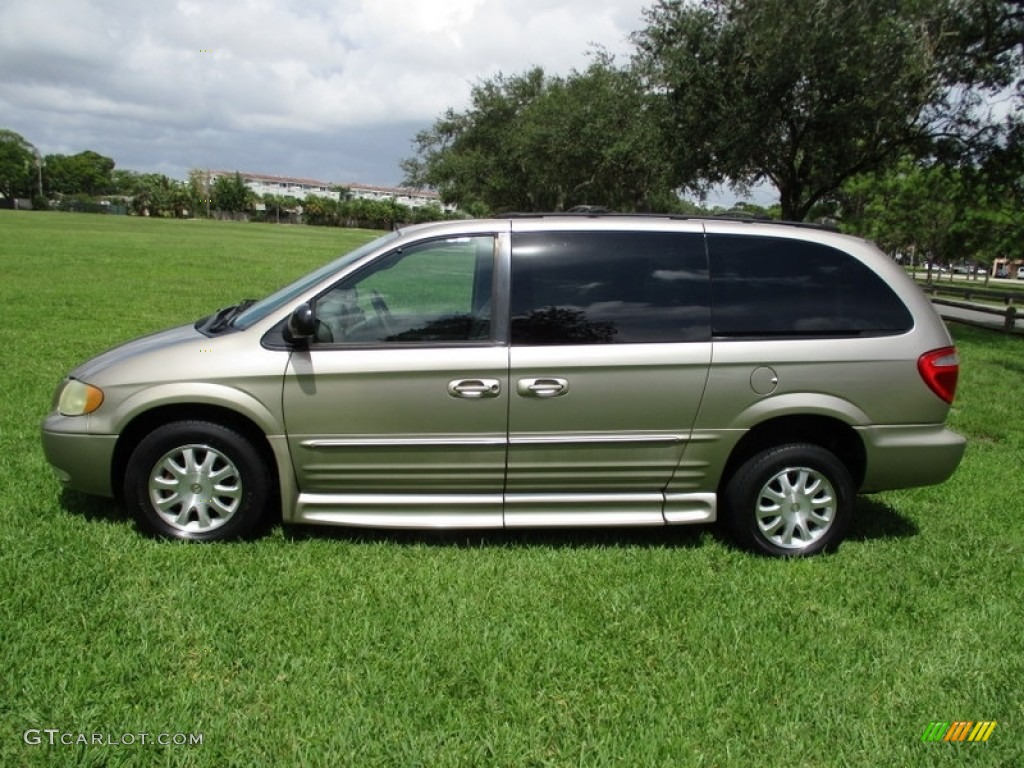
(608, 287)
(766, 286)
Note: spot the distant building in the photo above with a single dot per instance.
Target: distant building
(264, 184)
(412, 198)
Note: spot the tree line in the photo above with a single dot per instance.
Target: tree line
(900, 120)
(897, 119)
(89, 181)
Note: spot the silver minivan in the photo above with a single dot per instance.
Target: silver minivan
(530, 371)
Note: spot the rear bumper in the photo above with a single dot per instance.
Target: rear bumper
(81, 461)
(909, 456)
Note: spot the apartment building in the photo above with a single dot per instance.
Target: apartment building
(266, 184)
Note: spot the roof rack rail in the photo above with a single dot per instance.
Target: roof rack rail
(739, 213)
(589, 209)
(739, 217)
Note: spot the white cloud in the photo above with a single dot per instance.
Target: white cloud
(277, 67)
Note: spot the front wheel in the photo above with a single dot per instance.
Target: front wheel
(790, 500)
(197, 480)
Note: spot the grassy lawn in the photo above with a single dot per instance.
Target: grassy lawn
(332, 647)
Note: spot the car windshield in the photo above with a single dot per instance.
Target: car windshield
(276, 300)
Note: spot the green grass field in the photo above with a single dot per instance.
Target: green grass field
(339, 648)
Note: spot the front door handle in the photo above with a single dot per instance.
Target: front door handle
(474, 389)
(547, 387)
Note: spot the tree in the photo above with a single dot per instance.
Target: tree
(803, 93)
(275, 205)
(424, 213)
(911, 209)
(158, 195)
(532, 142)
(199, 191)
(592, 138)
(18, 165)
(469, 157)
(986, 46)
(320, 210)
(88, 173)
(938, 212)
(231, 194)
(985, 67)
(125, 182)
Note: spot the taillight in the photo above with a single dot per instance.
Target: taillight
(940, 369)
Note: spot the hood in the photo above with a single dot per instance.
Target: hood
(159, 340)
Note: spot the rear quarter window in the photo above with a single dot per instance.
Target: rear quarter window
(767, 286)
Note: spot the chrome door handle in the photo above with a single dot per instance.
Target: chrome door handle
(548, 387)
(474, 389)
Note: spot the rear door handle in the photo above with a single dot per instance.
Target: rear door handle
(547, 387)
(474, 389)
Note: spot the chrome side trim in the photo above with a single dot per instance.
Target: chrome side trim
(400, 442)
(589, 439)
(592, 439)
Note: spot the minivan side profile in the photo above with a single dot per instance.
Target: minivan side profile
(533, 371)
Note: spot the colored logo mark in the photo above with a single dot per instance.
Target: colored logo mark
(961, 730)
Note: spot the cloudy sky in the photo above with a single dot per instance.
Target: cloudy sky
(326, 89)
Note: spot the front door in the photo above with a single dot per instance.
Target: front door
(397, 412)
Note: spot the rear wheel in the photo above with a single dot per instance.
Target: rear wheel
(790, 500)
(197, 480)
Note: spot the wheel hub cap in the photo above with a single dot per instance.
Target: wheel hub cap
(796, 507)
(195, 488)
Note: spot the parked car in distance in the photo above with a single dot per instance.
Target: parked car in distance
(533, 371)
(1020, 273)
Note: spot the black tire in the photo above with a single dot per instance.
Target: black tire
(791, 500)
(199, 481)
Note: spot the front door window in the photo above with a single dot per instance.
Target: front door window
(430, 293)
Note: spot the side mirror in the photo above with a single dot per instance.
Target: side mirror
(301, 325)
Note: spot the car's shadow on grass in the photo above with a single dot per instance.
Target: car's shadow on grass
(94, 508)
(874, 520)
(557, 538)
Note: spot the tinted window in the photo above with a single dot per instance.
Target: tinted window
(608, 287)
(778, 287)
(438, 291)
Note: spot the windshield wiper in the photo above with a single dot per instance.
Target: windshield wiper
(222, 318)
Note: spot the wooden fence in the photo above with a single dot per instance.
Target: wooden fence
(1008, 299)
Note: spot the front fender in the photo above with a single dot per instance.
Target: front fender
(185, 393)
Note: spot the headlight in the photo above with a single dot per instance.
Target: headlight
(78, 398)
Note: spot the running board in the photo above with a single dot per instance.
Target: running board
(514, 510)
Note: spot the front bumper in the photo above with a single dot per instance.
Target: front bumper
(81, 461)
